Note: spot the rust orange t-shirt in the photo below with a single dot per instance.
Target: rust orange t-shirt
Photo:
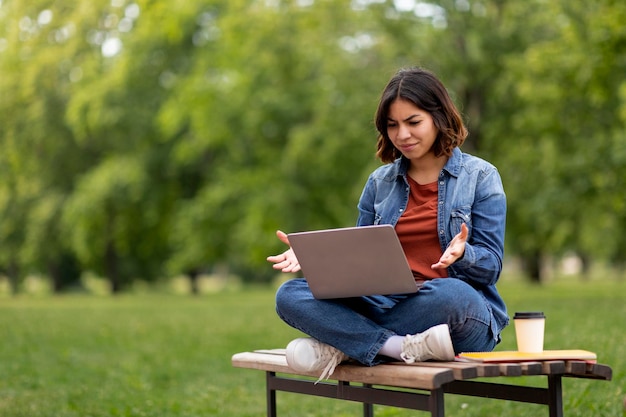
(417, 231)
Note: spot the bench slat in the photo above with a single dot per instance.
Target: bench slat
(261, 361)
(531, 368)
(385, 374)
(397, 376)
(510, 369)
(597, 370)
(488, 370)
(553, 367)
(461, 370)
(576, 367)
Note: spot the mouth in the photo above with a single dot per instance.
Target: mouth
(408, 147)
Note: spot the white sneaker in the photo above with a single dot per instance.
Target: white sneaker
(308, 355)
(435, 343)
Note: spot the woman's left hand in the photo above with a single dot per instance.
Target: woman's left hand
(455, 250)
(286, 261)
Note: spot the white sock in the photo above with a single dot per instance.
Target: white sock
(392, 347)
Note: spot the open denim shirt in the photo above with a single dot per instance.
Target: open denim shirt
(470, 192)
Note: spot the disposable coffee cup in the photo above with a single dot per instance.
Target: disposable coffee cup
(529, 330)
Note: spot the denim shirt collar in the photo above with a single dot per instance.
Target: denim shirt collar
(455, 163)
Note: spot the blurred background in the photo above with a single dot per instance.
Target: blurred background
(144, 142)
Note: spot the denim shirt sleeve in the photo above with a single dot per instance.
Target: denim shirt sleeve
(486, 217)
(366, 204)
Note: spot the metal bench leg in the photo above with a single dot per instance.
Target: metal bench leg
(436, 403)
(271, 394)
(555, 395)
(368, 409)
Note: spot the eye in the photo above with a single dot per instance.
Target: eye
(391, 124)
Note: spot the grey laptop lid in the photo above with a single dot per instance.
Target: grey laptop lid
(353, 261)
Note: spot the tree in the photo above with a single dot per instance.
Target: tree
(270, 148)
(565, 91)
(149, 139)
(39, 157)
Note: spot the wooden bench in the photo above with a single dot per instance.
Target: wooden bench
(387, 384)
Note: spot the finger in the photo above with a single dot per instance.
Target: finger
(283, 237)
(287, 266)
(464, 231)
(443, 262)
(281, 265)
(278, 267)
(292, 268)
(438, 265)
(276, 258)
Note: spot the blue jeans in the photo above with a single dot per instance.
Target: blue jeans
(360, 326)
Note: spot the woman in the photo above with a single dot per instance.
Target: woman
(448, 209)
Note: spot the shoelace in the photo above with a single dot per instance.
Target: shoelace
(411, 347)
(335, 359)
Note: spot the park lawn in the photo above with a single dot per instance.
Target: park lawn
(169, 355)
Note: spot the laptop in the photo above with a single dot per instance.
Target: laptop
(353, 262)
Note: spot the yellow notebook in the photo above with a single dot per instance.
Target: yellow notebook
(515, 356)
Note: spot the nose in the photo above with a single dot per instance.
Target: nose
(403, 132)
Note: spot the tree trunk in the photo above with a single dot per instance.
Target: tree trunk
(111, 269)
(531, 263)
(193, 281)
(64, 273)
(13, 274)
(585, 271)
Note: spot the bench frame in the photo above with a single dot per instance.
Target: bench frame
(433, 402)
(420, 386)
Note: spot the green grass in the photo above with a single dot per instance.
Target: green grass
(169, 355)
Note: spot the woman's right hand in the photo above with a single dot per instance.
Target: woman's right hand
(286, 261)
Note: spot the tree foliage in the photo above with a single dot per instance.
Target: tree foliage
(146, 139)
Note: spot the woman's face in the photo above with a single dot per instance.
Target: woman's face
(411, 130)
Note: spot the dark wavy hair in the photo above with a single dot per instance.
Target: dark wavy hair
(422, 88)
